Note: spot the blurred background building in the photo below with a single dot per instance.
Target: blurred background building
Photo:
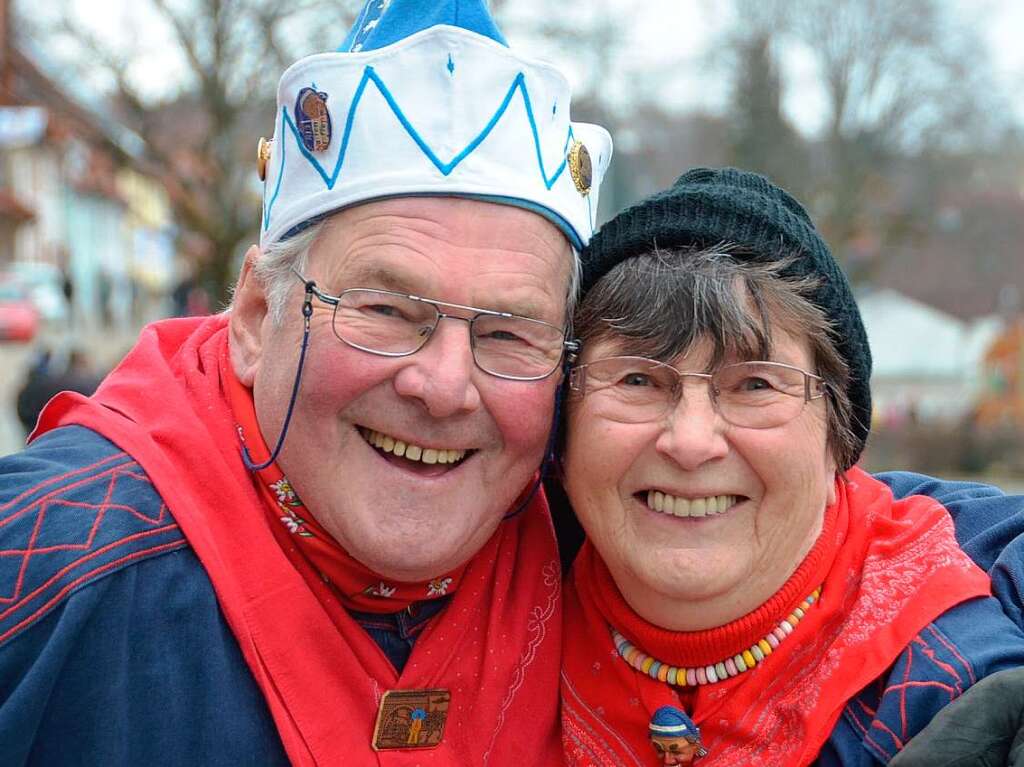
(128, 191)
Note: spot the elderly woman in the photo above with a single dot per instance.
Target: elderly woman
(738, 568)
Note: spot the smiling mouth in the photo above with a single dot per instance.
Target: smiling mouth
(411, 453)
(688, 507)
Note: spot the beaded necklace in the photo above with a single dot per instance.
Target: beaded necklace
(715, 672)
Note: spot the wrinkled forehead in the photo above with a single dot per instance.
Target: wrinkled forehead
(448, 248)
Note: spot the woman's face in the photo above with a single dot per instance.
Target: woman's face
(768, 488)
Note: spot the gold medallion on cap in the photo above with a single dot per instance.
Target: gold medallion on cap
(580, 167)
(262, 157)
(411, 719)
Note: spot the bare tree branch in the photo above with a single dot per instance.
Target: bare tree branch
(200, 136)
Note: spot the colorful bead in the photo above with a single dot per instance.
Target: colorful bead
(724, 669)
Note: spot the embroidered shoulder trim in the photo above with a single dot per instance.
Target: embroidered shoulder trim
(68, 529)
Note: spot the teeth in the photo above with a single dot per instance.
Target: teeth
(430, 455)
(685, 507)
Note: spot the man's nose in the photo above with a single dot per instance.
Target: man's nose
(442, 375)
(694, 432)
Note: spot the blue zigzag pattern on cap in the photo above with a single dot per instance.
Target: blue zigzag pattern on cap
(370, 75)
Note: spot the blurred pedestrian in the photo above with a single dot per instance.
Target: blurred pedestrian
(47, 376)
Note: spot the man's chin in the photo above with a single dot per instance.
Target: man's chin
(419, 571)
(428, 557)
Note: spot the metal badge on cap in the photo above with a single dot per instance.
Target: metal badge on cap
(580, 167)
(314, 119)
(262, 157)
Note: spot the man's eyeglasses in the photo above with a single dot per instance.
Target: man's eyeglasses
(398, 324)
(753, 395)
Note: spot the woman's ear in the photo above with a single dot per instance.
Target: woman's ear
(248, 313)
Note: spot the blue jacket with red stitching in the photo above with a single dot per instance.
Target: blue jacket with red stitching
(113, 649)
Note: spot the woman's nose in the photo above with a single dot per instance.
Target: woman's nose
(694, 431)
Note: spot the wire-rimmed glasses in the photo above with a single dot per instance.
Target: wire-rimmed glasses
(754, 395)
(393, 324)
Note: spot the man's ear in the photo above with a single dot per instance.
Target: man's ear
(248, 313)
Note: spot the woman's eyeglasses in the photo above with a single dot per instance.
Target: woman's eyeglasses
(753, 395)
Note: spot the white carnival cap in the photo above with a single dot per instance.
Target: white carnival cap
(426, 98)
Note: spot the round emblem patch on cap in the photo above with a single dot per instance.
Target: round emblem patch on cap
(314, 119)
(262, 157)
(580, 167)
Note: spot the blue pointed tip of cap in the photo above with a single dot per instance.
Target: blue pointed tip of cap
(383, 22)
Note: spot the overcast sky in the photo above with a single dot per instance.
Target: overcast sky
(664, 39)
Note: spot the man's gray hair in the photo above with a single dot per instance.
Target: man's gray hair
(273, 267)
(274, 270)
(662, 303)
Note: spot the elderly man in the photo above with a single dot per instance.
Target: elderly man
(308, 530)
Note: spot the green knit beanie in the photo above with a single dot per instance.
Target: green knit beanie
(707, 207)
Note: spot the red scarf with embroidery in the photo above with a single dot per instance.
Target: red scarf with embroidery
(887, 568)
(311, 548)
(495, 647)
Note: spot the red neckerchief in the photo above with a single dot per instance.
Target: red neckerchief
(357, 586)
(495, 647)
(888, 568)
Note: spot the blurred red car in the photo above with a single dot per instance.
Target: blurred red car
(19, 318)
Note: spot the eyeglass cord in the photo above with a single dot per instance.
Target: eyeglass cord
(307, 312)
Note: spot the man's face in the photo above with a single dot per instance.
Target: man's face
(403, 518)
